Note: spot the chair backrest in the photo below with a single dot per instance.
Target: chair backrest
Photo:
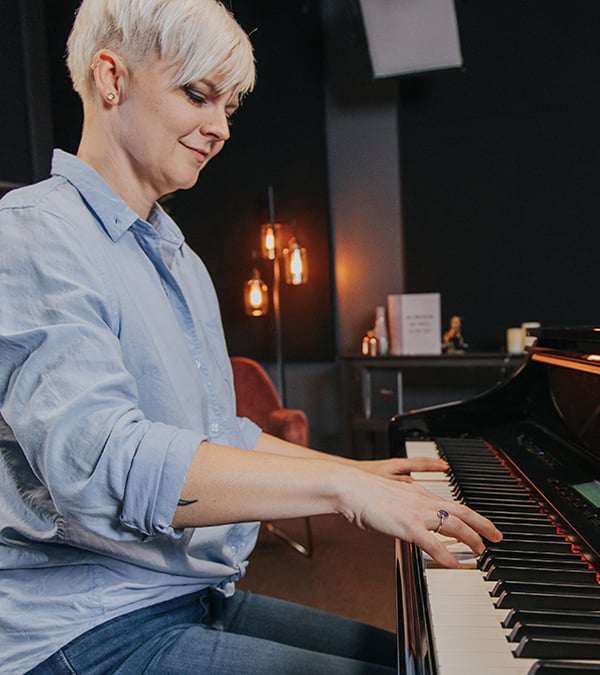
(255, 394)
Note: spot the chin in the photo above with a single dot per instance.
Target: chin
(185, 182)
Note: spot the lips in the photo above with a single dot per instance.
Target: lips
(200, 155)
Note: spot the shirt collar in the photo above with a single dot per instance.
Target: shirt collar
(114, 214)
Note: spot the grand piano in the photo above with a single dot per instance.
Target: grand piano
(527, 455)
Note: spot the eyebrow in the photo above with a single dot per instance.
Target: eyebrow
(233, 102)
(209, 83)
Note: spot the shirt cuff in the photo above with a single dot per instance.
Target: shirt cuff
(152, 491)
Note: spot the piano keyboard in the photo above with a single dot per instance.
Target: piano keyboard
(530, 605)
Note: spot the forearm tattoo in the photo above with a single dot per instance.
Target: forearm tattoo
(186, 502)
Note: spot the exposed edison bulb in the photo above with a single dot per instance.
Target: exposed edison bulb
(268, 241)
(256, 296)
(296, 266)
(295, 263)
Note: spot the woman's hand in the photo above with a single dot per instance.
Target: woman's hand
(410, 512)
(399, 468)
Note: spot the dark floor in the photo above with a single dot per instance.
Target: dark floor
(351, 572)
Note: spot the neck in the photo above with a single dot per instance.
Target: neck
(103, 153)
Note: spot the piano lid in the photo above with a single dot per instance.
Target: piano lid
(572, 359)
(576, 340)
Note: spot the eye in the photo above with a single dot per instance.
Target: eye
(229, 115)
(193, 95)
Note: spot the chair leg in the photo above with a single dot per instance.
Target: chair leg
(307, 550)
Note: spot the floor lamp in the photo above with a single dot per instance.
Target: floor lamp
(292, 258)
(289, 259)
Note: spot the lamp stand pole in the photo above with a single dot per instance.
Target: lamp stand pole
(279, 377)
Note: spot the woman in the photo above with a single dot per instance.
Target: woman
(130, 497)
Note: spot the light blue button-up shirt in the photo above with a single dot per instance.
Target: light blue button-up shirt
(113, 369)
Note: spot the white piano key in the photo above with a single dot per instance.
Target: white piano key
(430, 476)
(422, 449)
(468, 636)
(434, 481)
(431, 482)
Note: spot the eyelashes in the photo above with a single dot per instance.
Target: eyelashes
(194, 96)
(198, 99)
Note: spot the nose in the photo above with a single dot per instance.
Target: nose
(216, 124)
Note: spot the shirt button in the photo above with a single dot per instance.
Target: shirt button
(198, 364)
(214, 427)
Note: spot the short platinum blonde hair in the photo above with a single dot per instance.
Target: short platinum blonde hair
(198, 36)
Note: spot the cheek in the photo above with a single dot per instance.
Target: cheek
(170, 121)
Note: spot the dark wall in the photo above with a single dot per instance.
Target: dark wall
(25, 124)
(500, 164)
(15, 152)
(278, 138)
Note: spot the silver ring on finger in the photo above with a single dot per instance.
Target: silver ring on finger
(442, 515)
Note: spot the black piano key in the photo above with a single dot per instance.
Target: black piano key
(523, 600)
(550, 575)
(538, 536)
(483, 470)
(567, 556)
(553, 631)
(564, 668)
(506, 505)
(482, 480)
(533, 525)
(480, 476)
(513, 495)
(504, 586)
(524, 553)
(554, 560)
(559, 545)
(541, 616)
(485, 487)
(520, 513)
(517, 525)
(572, 617)
(525, 510)
(546, 648)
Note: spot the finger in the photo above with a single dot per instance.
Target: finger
(404, 465)
(425, 464)
(433, 546)
(462, 524)
(475, 521)
(466, 525)
(452, 526)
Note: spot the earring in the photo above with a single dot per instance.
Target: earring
(110, 96)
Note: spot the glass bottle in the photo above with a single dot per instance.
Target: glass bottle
(380, 331)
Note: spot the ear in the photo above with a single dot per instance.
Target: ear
(109, 76)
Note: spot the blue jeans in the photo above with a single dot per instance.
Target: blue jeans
(245, 634)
